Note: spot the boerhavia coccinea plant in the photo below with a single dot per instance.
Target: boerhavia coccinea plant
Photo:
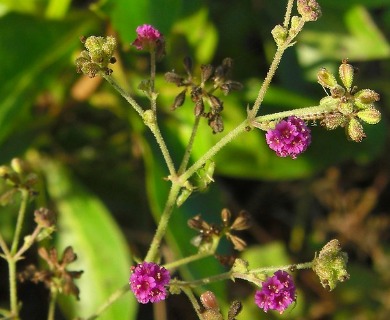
(287, 133)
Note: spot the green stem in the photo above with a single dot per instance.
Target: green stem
(187, 153)
(27, 244)
(123, 93)
(299, 266)
(193, 301)
(287, 16)
(151, 256)
(20, 220)
(4, 246)
(13, 288)
(214, 150)
(152, 79)
(204, 281)
(308, 113)
(267, 81)
(52, 305)
(114, 297)
(192, 258)
(272, 70)
(152, 123)
(154, 128)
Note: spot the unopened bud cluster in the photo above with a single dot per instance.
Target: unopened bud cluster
(330, 265)
(97, 56)
(309, 10)
(351, 107)
(219, 79)
(17, 175)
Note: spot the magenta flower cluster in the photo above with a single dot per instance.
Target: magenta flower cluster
(148, 281)
(277, 292)
(147, 37)
(289, 138)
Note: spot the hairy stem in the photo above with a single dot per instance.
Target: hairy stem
(188, 150)
(27, 244)
(152, 254)
(123, 93)
(193, 301)
(114, 297)
(287, 16)
(52, 305)
(192, 258)
(20, 220)
(307, 113)
(299, 266)
(4, 246)
(154, 128)
(214, 150)
(152, 79)
(13, 288)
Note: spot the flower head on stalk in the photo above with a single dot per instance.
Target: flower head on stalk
(277, 293)
(148, 281)
(290, 137)
(150, 39)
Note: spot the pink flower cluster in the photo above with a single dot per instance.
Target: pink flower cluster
(277, 293)
(289, 138)
(147, 37)
(148, 281)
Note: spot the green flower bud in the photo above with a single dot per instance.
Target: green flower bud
(183, 196)
(240, 266)
(94, 46)
(346, 73)
(369, 115)
(148, 117)
(337, 91)
(345, 108)
(326, 79)
(330, 265)
(295, 25)
(280, 34)
(90, 69)
(355, 130)
(109, 46)
(5, 171)
(332, 121)
(97, 56)
(365, 98)
(212, 314)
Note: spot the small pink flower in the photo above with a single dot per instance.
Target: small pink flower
(277, 292)
(147, 37)
(290, 137)
(148, 281)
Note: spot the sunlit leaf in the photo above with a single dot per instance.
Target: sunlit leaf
(85, 224)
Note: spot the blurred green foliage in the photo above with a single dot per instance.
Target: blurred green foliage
(80, 132)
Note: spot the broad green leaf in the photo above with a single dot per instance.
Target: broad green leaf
(363, 40)
(85, 224)
(45, 44)
(57, 8)
(201, 34)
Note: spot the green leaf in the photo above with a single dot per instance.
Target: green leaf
(45, 44)
(85, 224)
(362, 39)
